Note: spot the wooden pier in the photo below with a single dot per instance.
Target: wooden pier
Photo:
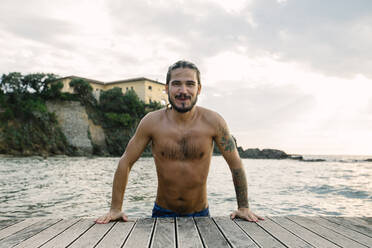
(288, 231)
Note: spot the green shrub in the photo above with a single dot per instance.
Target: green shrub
(119, 120)
(65, 96)
(81, 86)
(84, 91)
(55, 90)
(117, 140)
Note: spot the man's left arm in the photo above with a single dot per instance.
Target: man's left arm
(227, 147)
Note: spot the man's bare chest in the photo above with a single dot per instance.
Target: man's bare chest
(190, 145)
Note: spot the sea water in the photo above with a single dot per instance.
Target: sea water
(66, 187)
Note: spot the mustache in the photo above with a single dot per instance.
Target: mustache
(183, 96)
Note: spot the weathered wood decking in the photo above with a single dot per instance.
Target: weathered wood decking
(289, 231)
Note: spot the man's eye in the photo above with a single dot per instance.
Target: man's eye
(176, 83)
(190, 84)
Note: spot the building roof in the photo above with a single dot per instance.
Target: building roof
(76, 77)
(113, 82)
(134, 79)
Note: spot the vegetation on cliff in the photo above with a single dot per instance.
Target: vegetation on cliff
(27, 128)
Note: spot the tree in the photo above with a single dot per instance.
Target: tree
(38, 82)
(112, 101)
(12, 83)
(35, 83)
(83, 90)
(134, 106)
(81, 86)
(152, 106)
(55, 90)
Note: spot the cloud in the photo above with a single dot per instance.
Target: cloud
(199, 28)
(32, 21)
(263, 107)
(332, 38)
(45, 30)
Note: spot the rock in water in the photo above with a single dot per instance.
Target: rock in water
(263, 154)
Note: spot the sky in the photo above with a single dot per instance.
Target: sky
(294, 75)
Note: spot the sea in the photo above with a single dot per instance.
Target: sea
(66, 187)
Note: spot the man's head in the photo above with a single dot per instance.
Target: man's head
(182, 64)
(183, 85)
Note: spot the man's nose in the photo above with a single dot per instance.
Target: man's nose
(183, 88)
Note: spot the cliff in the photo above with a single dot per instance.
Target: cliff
(80, 131)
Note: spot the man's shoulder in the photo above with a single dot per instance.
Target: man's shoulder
(154, 116)
(209, 115)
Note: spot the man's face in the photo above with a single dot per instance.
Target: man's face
(183, 89)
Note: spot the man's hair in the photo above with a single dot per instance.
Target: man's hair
(182, 64)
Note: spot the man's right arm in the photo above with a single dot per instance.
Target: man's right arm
(134, 149)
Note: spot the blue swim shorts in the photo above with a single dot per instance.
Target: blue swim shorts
(159, 212)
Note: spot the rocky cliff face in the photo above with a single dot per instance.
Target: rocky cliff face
(80, 132)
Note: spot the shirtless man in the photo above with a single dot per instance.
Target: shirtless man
(182, 144)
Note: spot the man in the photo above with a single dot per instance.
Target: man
(182, 144)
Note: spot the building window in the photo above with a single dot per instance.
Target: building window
(127, 89)
(150, 87)
(131, 87)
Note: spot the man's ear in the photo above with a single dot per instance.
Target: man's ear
(199, 88)
(166, 88)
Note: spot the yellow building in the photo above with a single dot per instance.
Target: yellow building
(148, 90)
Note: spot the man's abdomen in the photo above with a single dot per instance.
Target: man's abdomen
(182, 187)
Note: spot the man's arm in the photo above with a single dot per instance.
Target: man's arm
(133, 151)
(227, 147)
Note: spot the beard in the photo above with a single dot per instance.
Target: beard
(182, 109)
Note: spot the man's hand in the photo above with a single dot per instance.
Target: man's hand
(246, 214)
(112, 215)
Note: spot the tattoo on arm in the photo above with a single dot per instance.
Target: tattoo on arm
(227, 142)
(240, 184)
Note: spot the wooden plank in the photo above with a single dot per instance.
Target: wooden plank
(46, 235)
(360, 221)
(17, 227)
(259, 235)
(285, 237)
(367, 219)
(27, 232)
(187, 233)
(91, 237)
(141, 234)
(8, 222)
(117, 235)
(351, 223)
(164, 233)
(303, 233)
(232, 232)
(209, 233)
(325, 232)
(70, 234)
(351, 234)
